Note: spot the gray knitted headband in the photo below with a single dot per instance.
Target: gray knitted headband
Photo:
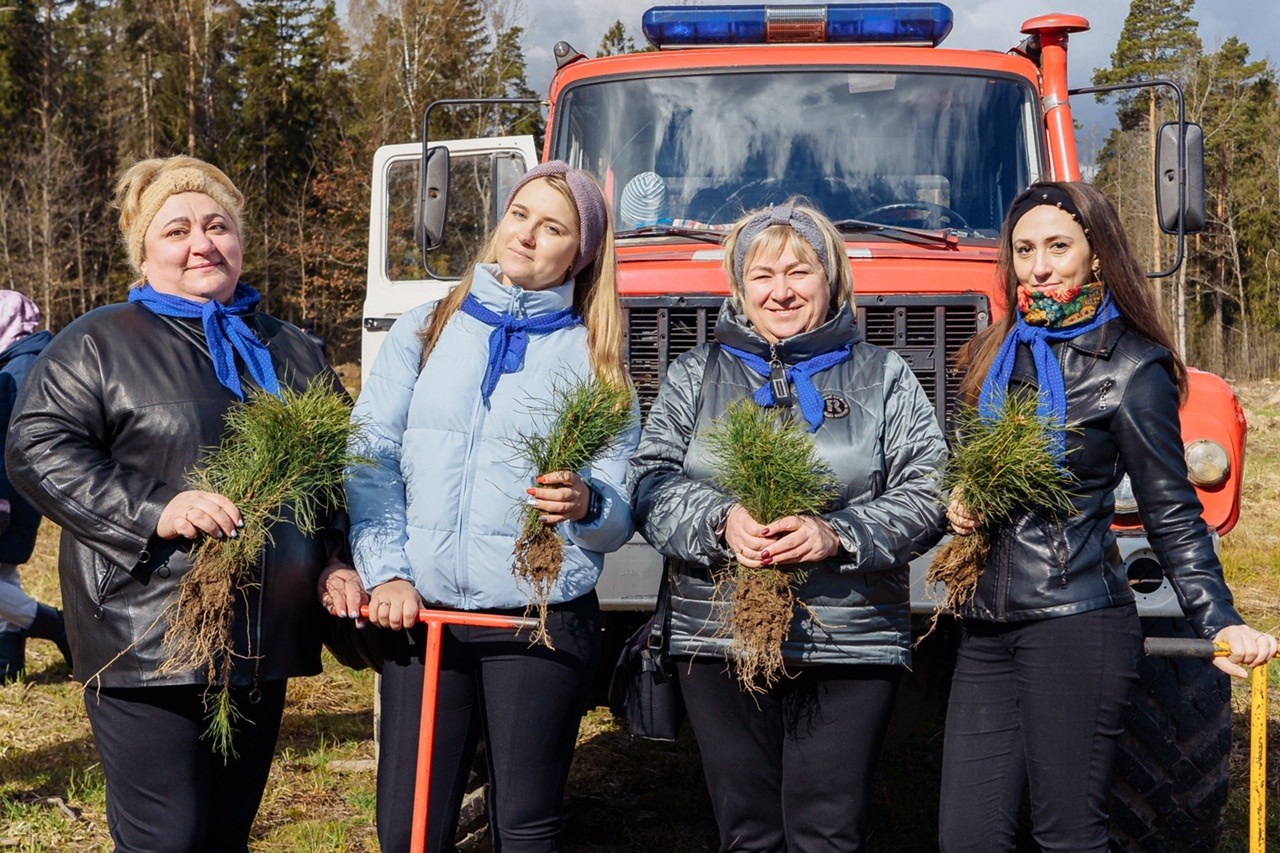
(592, 212)
(784, 214)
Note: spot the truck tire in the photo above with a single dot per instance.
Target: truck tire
(1170, 781)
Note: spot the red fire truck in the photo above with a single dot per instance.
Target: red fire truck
(915, 151)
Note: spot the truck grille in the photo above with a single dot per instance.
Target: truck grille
(925, 330)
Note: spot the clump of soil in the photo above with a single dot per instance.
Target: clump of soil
(760, 612)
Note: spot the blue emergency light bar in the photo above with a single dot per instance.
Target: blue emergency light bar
(836, 23)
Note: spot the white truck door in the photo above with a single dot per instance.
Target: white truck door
(480, 170)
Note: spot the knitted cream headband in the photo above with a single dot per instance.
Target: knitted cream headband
(205, 179)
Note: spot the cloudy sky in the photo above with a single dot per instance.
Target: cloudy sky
(979, 24)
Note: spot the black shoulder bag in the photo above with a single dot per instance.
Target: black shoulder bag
(644, 689)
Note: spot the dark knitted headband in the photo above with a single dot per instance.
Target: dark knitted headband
(593, 217)
(783, 214)
(1034, 196)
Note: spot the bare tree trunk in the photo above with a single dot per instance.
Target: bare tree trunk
(148, 95)
(192, 64)
(1220, 282)
(46, 160)
(1156, 263)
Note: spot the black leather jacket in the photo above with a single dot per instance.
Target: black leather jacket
(1124, 407)
(109, 421)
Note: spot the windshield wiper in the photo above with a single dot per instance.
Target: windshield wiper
(949, 237)
(668, 230)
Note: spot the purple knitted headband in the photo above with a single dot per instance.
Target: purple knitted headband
(593, 216)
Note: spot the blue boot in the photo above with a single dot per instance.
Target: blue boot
(13, 662)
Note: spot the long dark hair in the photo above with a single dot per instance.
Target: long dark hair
(1118, 268)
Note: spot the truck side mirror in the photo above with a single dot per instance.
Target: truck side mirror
(433, 197)
(1167, 208)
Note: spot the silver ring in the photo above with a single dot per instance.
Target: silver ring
(384, 603)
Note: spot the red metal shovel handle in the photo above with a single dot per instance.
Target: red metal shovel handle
(435, 620)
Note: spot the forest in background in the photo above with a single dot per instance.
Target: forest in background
(292, 100)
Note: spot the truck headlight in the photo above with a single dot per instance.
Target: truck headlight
(1126, 503)
(1207, 462)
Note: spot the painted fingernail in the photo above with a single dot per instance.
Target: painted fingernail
(530, 491)
(240, 523)
(766, 559)
(765, 555)
(531, 501)
(764, 532)
(235, 534)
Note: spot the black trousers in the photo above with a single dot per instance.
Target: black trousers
(167, 790)
(526, 701)
(1036, 707)
(790, 769)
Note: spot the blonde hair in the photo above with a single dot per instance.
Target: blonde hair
(771, 242)
(595, 295)
(145, 186)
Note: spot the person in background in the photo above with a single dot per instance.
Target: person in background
(1051, 639)
(791, 767)
(117, 411)
(21, 616)
(435, 519)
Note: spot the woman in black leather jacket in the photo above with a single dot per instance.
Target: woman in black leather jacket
(1051, 639)
(110, 420)
(790, 767)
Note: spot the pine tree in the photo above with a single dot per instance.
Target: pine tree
(1158, 40)
(616, 41)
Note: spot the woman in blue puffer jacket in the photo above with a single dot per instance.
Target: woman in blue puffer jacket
(435, 519)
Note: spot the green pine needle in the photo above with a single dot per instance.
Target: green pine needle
(281, 458)
(999, 469)
(768, 463)
(588, 416)
(1003, 467)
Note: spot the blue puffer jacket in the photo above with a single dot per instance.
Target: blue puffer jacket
(441, 505)
(19, 540)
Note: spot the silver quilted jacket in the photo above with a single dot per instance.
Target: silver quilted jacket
(881, 438)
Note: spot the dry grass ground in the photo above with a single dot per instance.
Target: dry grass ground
(623, 795)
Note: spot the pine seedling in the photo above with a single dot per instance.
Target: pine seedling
(1001, 468)
(768, 464)
(280, 458)
(587, 417)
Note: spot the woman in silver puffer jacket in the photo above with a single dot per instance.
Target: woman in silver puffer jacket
(789, 766)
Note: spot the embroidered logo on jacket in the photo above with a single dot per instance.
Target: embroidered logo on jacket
(834, 406)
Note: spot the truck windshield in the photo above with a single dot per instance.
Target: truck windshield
(936, 150)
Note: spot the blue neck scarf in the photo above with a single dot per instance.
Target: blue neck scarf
(225, 334)
(799, 375)
(510, 338)
(1051, 400)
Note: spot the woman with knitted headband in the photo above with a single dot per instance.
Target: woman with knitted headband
(789, 766)
(109, 422)
(455, 385)
(1051, 638)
